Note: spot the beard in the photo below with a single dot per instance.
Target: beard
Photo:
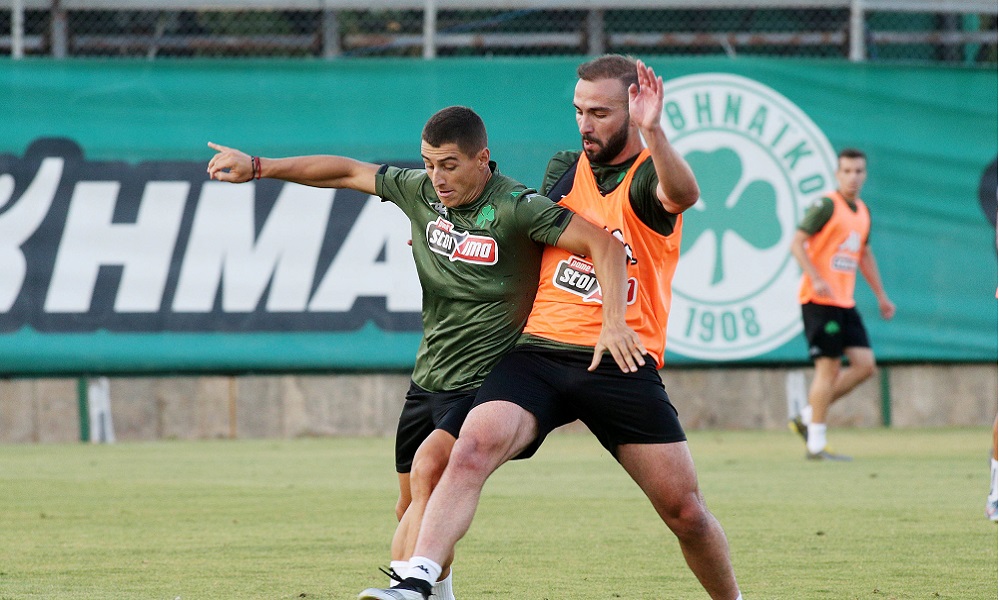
(607, 151)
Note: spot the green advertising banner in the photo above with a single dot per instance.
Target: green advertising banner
(117, 255)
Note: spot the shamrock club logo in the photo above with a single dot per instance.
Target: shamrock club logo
(759, 161)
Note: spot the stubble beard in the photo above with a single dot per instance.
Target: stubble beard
(607, 151)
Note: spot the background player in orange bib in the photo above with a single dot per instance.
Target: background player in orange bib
(830, 245)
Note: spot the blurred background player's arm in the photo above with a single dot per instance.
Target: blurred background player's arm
(798, 249)
(869, 268)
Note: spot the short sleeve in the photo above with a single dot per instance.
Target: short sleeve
(397, 185)
(645, 202)
(541, 218)
(817, 215)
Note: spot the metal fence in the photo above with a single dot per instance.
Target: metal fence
(941, 31)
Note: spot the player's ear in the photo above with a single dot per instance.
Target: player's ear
(483, 158)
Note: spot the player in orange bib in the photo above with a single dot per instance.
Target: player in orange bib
(553, 376)
(830, 245)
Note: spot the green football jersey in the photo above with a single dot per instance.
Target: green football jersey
(478, 267)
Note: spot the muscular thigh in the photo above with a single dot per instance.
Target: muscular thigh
(425, 412)
(625, 408)
(530, 380)
(670, 487)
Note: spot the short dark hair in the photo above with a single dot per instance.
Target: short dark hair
(610, 66)
(458, 125)
(851, 153)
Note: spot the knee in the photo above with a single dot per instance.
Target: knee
(866, 367)
(474, 455)
(689, 518)
(426, 472)
(401, 505)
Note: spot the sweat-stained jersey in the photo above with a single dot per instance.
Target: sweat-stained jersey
(478, 269)
(567, 308)
(835, 249)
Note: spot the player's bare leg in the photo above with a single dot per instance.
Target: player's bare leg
(429, 463)
(493, 433)
(676, 498)
(860, 366)
(821, 396)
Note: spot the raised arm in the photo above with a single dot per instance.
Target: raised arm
(584, 238)
(869, 268)
(235, 166)
(678, 189)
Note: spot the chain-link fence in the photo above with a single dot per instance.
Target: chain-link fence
(954, 32)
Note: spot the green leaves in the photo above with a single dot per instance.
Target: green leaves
(748, 210)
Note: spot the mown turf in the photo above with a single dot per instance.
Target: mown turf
(312, 518)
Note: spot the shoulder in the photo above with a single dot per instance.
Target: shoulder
(563, 160)
(823, 204)
(502, 186)
(817, 215)
(645, 177)
(401, 175)
(559, 164)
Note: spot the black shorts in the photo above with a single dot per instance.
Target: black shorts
(555, 386)
(830, 329)
(423, 412)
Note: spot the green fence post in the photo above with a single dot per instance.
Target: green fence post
(886, 396)
(83, 405)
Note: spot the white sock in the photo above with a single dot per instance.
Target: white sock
(993, 477)
(817, 438)
(442, 589)
(739, 596)
(423, 568)
(807, 416)
(400, 567)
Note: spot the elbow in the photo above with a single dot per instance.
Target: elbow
(679, 202)
(688, 195)
(689, 199)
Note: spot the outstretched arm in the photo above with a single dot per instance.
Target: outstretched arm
(678, 189)
(234, 166)
(869, 268)
(584, 238)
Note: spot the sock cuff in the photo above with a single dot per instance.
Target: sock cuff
(816, 441)
(424, 568)
(399, 566)
(442, 588)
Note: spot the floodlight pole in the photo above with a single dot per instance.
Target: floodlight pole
(857, 31)
(430, 29)
(17, 29)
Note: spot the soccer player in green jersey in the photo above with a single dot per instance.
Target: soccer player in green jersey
(638, 191)
(477, 243)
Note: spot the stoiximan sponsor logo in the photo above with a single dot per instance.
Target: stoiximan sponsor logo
(760, 161)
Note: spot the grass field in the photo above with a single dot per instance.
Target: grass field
(312, 518)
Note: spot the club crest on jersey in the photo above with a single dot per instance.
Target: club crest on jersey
(577, 276)
(444, 239)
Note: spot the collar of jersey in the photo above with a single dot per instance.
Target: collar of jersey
(484, 196)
